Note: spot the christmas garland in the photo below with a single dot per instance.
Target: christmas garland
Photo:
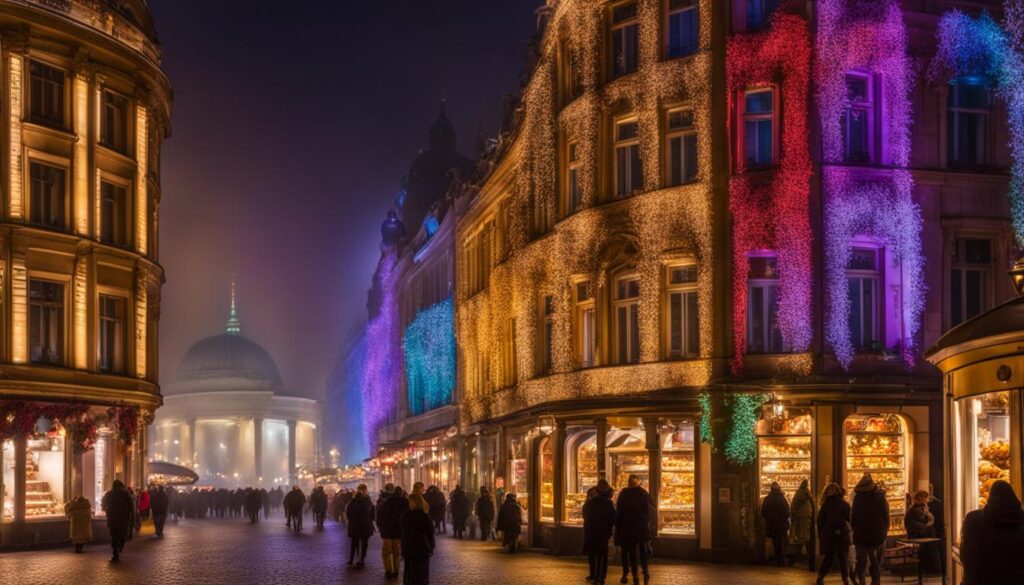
(80, 423)
(740, 436)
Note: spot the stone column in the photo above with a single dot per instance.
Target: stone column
(190, 454)
(291, 452)
(257, 431)
(20, 476)
(602, 448)
(558, 448)
(654, 460)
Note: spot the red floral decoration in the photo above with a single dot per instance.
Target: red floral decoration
(126, 423)
(774, 215)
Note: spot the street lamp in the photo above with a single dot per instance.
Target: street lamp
(546, 424)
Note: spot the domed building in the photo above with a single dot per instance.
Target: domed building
(225, 417)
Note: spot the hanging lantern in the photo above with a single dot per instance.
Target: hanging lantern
(546, 424)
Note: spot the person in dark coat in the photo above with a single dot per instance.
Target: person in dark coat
(510, 522)
(360, 524)
(776, 513)
(802, 520)
(118, 505)
(294, 502)
(458, 503)
(253, 504)
(920, 523)
(436, 505)
(417, 541)
(389, 489)
(389, 517)
(318, 504)
(833, 525)
(870, 521)
(159, 504)
(935, 507)
(485, 513)
(992, 539)
(633, 528)
(598, 524)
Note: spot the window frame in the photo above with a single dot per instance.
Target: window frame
(741, 156)
(546, 353)
(681, 134)
(632, 319)
(747, 25)
(877, 275)
(53, 162)
(871, 107)
(64, 342)
(689, 292)
(616, 28)
(958, 262)
(570, 74)
(126, 121)
(626, 144)
(694, 6)
(127, 212)
(125, 298)
(572, 202)
(769, 284)
(40, 120)
(585, 309)
(952, 125)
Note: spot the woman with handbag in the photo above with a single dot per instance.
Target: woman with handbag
(834, 533)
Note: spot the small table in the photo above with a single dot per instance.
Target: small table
(915, 544)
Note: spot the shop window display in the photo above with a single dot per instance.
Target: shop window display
(677, 503)
(629, 456)
(784, 449)
(581, 473)
(7, 480)
(517, 483)
(547, 481)
(879, 445)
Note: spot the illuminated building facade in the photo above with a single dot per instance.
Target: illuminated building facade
(710, 250)
(85, 109)
(226, 418)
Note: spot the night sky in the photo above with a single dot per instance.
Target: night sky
(293, 125)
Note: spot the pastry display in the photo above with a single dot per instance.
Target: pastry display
(876, 444)
(677, 462)
(547, 501)
(677, 501)
(785, 460)
(627, 464)
(786, 465)
(675, 522)
(886, 462)
(993, 466)
(574, 508)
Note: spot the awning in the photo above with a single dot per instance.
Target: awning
(164, 473)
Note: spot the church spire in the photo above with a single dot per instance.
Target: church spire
(234, 327)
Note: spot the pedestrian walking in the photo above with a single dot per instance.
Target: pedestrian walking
(436, 508)
(118, 505)
(253, 504)
(633, 529)
(387, 492)
(458, 503)
(159, 503)
(834, 533)
(802, 508)
(776, 513)
(360, 525)
(294, 502)
(510, 523)
(318, 504)
(870, 521)
(992, 539)
(485, 513)
(417, 541)
(389, 524)
(598, 524)
(79, 513)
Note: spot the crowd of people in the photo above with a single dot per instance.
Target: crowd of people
(409, 522)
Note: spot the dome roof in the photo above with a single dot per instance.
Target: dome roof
(431, 172)
(228, 355)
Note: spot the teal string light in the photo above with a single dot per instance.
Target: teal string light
(741, 444)
(429, 346)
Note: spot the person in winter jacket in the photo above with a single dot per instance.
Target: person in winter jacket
(458, 503)
(360, 524)
(485, 513)
(510, 522)
(389, 489)
(920, 523)
(633, 528)
(294, 502)
(118, 505)
(834, 533)
(417, 541)
(159, 503)
(79, 513)
(436, 508)
(389, 516)
(870, 521)
(253, 505)
(776, 513)
(802, 513)
(318, 505)
(992, 539)
(598, 523)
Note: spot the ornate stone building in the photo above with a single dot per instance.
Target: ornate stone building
(85, 107)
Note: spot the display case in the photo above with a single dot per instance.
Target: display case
(518, 479)
(879, 445)
(7, 480)
(627, 451)
(784, 450)
(677, 503)
(547, 481)
(581, 473)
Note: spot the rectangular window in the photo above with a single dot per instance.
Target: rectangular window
(572, 187)
(625, 39)
(114, 123)
(682, 28)
(572, 74)
(47, 195)
(586, 326)
(758, 128)
(857, 125)
(864, 279)
(628, 167)
(114, 214)
(681, 142)
(763, 333)
(113, 330)
(46, 322)
(547, 334)
(967, 122)
(759, 13)
(627, 320)
(683, 330)
(970, 279)
(46, 95)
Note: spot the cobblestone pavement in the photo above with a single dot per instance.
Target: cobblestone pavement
(236, 552)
